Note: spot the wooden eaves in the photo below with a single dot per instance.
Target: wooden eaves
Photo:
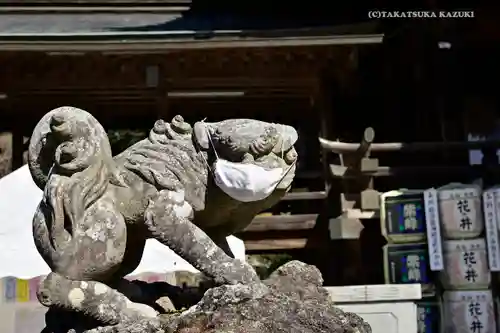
(120, 41)
(147, 31)
(161, 42)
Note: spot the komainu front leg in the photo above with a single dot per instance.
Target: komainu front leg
(168, 220)
(91, 298)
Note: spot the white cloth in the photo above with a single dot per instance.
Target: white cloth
(19, 198)
(246, 182)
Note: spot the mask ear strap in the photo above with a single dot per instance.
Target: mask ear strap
(282, 142)
(210, 139)
(282, 157)
(284, 175)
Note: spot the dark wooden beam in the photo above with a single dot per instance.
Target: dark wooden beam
(66, 5)
(411, 147)
(275, 244)
(386, 171)
(94, 6)
(282, 223)
(305, 196)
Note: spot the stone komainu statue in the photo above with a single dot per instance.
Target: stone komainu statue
(98, 211)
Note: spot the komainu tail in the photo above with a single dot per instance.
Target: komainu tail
(66, 141)
(70, 159)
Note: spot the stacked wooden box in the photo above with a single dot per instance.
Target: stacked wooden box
(406, 256)
(466, 278)
(455, 274)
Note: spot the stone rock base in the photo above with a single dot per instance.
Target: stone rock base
(291, 300)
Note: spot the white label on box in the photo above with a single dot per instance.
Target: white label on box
(490, 206)
(433, 230)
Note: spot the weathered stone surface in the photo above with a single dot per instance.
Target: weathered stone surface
(291, 300)
(98, 210)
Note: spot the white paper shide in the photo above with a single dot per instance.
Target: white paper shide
(433, 230)
(491, 206)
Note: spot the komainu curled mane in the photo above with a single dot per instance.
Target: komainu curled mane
(98, 211)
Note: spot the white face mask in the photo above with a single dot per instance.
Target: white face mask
(246, 182)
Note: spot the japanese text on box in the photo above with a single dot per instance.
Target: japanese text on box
(490, 207)
(433, 230)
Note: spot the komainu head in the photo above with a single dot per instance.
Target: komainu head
(248, 141)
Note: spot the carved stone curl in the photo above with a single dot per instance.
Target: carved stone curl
(98, 211)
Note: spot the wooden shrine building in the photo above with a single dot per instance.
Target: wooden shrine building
(130, 65)
(331, 74)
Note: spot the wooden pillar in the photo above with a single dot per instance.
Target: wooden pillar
(344, 256)
(162, 98)
(156, 79)
(322, 103)
(9, 142)
(6, 150)
(17, 145)
(16, 122)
